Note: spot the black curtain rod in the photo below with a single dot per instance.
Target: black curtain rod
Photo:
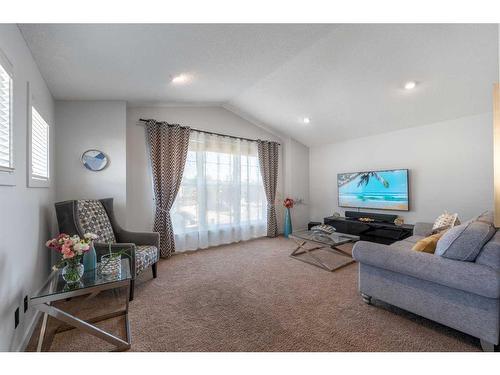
(207, 132)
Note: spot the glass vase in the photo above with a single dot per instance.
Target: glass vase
(90, 259)
(287, 230)
(111, 265)
(73, 271)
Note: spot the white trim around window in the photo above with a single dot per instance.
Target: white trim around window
(38, 146)
(7, 170)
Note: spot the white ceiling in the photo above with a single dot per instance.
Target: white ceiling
(347, 78)
(136, 62)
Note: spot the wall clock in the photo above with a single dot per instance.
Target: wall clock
(95, 160)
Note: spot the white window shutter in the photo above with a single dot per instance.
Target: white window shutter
(39, 147)
(6, 161)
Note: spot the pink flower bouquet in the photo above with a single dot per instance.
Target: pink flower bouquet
(72, 248)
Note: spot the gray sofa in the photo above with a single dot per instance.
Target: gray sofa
(463, 295)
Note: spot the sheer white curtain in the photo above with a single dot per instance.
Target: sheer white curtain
(221, 198)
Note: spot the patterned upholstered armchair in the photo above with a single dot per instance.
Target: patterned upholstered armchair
(97, 216)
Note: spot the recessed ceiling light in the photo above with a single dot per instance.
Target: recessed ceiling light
(410, 85)
(306, 120)
(181, 79)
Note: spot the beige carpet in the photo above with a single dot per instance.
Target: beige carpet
(252, 297)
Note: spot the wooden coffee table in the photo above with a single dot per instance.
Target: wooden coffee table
(325, 242)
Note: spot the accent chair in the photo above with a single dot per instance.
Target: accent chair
(97, 216)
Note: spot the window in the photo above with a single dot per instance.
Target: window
(39, 151)
(221, 198)
(6, 154)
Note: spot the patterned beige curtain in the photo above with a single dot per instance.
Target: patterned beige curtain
(168, 147)
(268, 160)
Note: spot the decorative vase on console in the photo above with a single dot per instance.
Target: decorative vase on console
(90, 258)
(399, 221)
(288, 203)
(72, 250)
(73, 270)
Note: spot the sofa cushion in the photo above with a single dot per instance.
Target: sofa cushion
(93, 218)
(464, 242)
(407, 243)
(428, 244)
(414, 238)
(486, 217)
(422, 229)
(145, 256)
(490, 253)
(402, 245)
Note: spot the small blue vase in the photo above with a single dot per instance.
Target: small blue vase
(90, 259)
(288, 223)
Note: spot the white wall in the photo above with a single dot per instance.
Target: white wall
(25, 213)
(216, 119)
(297, 181)
(87, 125)
(451, 167)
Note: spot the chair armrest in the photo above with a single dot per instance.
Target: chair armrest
(466, 276)
(139, 238)
(422, 229)
(103, 249)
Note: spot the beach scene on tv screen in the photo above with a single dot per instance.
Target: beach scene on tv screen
(386, 190)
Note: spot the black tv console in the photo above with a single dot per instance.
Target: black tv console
(375, 231)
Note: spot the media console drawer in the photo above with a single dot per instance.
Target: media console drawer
(384, 233)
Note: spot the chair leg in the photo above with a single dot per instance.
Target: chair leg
(132, 287)
(155, 270)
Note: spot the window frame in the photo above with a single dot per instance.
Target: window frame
(7, 174)
(34, 182)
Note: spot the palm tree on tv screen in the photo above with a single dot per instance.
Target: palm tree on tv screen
(364, 178)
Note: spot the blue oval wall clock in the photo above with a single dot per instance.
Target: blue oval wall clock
(95, 160)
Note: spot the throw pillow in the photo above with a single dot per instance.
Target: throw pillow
(428, 244)
(445, 221)
(486, 216)
(464, 242)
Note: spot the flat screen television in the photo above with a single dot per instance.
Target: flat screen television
(381, 190)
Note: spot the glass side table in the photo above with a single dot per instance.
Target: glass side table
(56, 289)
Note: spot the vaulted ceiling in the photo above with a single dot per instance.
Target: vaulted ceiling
(348, 79)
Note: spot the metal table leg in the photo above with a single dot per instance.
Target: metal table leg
(86, 326)
(315, 261)
(43, 329)
(41, 337)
